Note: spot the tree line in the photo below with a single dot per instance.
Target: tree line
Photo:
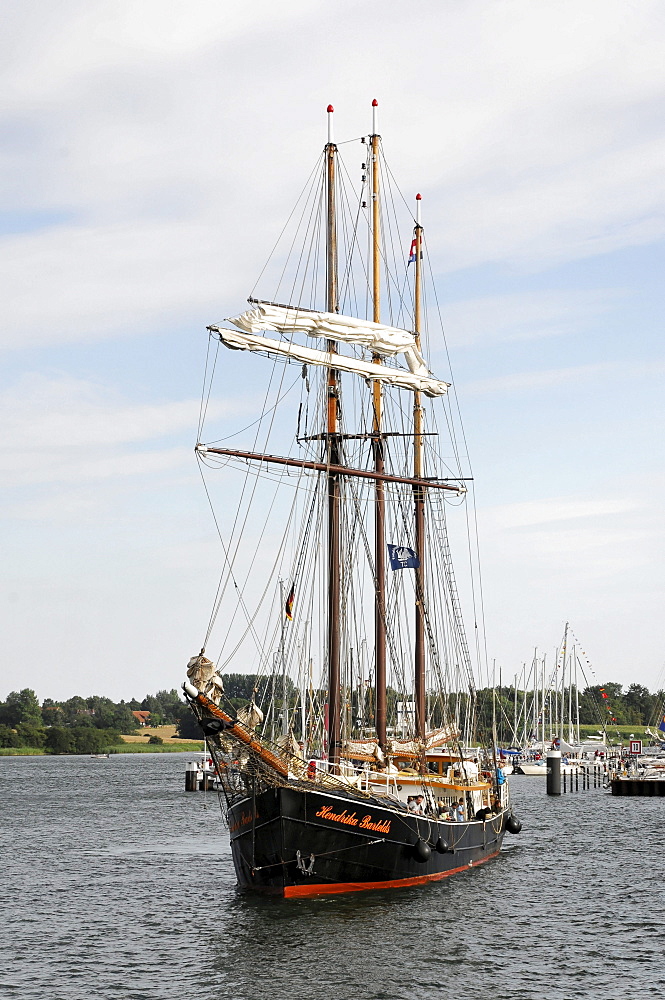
(89, 725)
(607, 704)
(80, 725)
(599, 705)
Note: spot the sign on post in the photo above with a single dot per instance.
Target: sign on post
(636, 746)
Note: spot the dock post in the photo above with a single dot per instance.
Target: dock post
(554, 772)
(190, 777)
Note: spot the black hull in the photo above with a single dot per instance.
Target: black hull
(293, 842)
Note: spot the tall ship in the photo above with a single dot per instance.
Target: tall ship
(361, 756)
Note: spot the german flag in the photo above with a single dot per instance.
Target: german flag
(288, 607)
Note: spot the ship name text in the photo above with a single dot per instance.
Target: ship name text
(245, 817)
(351, 819)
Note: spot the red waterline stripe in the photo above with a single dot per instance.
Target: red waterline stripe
(295, 891)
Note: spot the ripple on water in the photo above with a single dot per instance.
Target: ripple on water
(119, 885)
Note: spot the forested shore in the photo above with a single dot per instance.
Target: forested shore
(96, 724)
(84, 725)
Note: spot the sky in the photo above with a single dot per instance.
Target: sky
(150, 155)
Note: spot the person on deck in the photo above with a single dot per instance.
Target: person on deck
(459, 812)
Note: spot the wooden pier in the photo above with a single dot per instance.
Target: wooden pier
(638, 786)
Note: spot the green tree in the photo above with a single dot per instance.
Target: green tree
(52, 714)
(106, 714)
(20, 706)
(89, 739)
(59, 740)
(640, 704)
(241, 686)
(164, 706)
(601, 703)
(31, 735)
(187, 725)
(76, 712)
(9, 737)
(123, 720)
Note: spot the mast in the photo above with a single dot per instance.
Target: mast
(379, 460)
(515, 710)
(282, 655)
(577, 702)
(542, 701)
(571, 661)
(419, 502)
(333, 459)
(563, 682)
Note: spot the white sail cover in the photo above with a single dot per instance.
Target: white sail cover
(385, 340)
(391, 376)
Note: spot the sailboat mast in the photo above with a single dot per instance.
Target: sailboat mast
(563, 682)
(419, 501)
(333, 459)
(379, 461)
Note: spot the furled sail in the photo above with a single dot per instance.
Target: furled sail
(251, 715)
(369, 749)
(203, 674)
(391, 376)
(380, 339)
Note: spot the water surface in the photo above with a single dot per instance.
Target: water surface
(119, 885)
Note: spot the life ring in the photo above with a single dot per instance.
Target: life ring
(311, 770)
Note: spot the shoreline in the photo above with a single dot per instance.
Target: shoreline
(195, 746)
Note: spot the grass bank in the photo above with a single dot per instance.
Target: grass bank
(191, 746)
(616, 733)
(194, 746)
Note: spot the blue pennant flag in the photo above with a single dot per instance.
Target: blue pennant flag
(661, 725)
(402, 558)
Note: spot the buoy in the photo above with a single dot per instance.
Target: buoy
(442, 845)
(513, 825)
(422, 851)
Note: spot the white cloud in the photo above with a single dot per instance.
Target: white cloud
(69, 412)
(522, 515)
(524, 316)
(525, 381)
(69, 430)
(171, 140)
(85, 283)
(172, 137)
